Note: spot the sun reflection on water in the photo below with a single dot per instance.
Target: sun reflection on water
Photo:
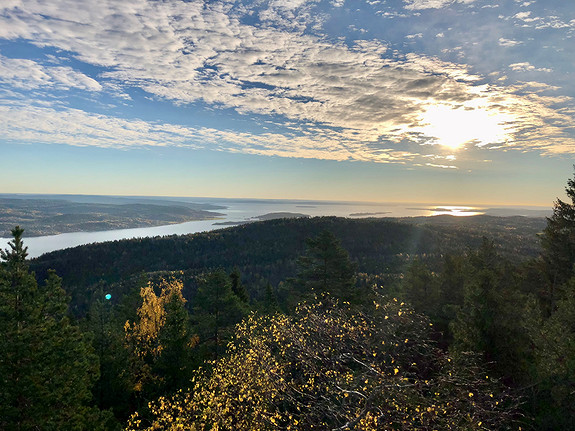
(455, 211)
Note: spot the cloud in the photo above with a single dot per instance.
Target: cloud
(433, 165)
(527, 67)
(527, 20)
(414, 36)
(334, 100)
(432, 4)
(27, 75)
(523, 16)
(46, 125)
(509, 42)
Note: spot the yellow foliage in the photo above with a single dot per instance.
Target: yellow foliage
(328, 368)
(143, 335)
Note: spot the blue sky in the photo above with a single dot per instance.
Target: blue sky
(440, 101)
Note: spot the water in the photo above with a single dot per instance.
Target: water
(237, 211)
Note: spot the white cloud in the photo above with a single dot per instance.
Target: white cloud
(432, 4)
(27, 74)
(359, 102)
(434, 165)
(509, 42)
(527, 67)
(522, 15)
(414, 36)
(36, 124)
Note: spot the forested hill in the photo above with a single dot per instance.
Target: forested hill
(267, 251)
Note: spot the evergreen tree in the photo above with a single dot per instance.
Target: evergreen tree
(175, 362)
(237, 286)
(326, 267)
(473, 327)
(554, 341)
(270, 303)
(451, 282)
(47, 366)
(558, 242)
(491, 321)
(420, 289)
(112, 390)
(216, 310)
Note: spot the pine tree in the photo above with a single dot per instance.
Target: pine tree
(237, 286)
(46, 365)
(175, 362)
(326, 267)
(270, 302)
(420, 288)
(491, 320)
(216, 310)
(112, 389)
(554, 341)
(554, 335)
(558, 242)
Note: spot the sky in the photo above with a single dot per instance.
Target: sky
(441, 101)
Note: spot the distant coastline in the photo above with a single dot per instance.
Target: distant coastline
(369, 214)
(89, 219)
(49, 216)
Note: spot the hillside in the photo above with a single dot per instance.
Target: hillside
(267, 251)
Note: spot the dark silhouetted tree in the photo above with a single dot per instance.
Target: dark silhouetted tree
(491, 320)
(326, 267)
(112, 390)
(216, 310)
(420, 288)
(237, 286)
(47, 367)
(558, 242)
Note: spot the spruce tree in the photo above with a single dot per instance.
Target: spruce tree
(270, 303)
(216, 310)
(558, 242)
(112, 389)
(491, 320)
(238, 287)
(175, 362)
(326, 268)
(46, 365)
(420, 288)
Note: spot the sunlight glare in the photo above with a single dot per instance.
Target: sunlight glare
(453, 128)
(455, 211)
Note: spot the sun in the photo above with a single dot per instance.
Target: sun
(454, 127)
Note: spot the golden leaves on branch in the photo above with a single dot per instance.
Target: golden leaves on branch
(143, 335)
(333, 367)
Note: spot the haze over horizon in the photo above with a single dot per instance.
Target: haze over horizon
(444, 101)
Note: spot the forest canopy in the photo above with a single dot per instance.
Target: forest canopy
(320, 323)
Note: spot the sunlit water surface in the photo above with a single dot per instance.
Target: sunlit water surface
(238, 211)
